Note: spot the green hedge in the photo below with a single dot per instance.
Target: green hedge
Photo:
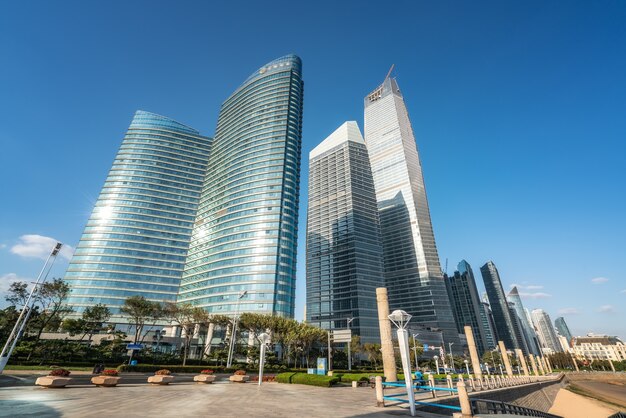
(307, 379)
(356, 377)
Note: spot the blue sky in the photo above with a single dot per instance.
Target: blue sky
(519, 110)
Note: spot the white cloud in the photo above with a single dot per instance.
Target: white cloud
(7, 279)
(569, 311)
(38, 246)
(606, 309)
(535, 295)
(599, 280)
(527, 287)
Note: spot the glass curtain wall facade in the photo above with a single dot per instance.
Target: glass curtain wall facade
(527, 328)
(563, 329)
(413, 274)
(486, 319)
(243, 252)
(343, 257)
(545, 330)
(137, 236)
(466, 304)
(499, 306)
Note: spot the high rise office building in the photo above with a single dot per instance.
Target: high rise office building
(466, 304)
(527, 328)
(412, 271)
(517, 328)
(137, 236)
(486, 318)
(563, 329)
(547, 336)
(499, 306)
(343, 254)
(242, 255)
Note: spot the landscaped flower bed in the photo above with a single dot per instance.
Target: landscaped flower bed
(240, 376)
(205, 376)
(57, 378)
(161, 377)
(107, 378)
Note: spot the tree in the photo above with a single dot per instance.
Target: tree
(187, 317)
(17, 294)
(95, 317)
(373, 353)
(52, 296)
(140, 310)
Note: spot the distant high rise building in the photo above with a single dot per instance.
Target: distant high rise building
(563, 329)
(528, 329)
(545, 331)
(499, 306)
(519, 331)
(466, 304)
(486, 317)
(137, 237)
(412, 271)
(344, 254)
(243, 251)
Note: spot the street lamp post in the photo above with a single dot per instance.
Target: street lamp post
(349, 346)
(415, 351)
(401, 319)
(451, 357)
(487, 367)
(467, 366)
(264, 339)
(436, 364)
(233, 336)
(501, 372)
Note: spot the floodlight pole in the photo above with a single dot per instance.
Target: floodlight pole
(233, 334)
(22, 320)
(349, 345)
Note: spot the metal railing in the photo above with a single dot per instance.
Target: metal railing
(417, 387)
(489, 407)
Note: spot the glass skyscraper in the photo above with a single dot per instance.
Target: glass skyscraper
(505, 328)
(545, 331)
(137, 237)
(466, 304)
(412, 271)
(527, 328)
(563, 329)
(242, 255)
(343, 255)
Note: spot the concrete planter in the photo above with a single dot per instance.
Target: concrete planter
(158, 379)
(204, 378)
(106, 381)
(239, 378)
(52, 381)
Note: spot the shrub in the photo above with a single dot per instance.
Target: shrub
(240, 372)
(307, 379)
(284, 377)
(266, 378)
(59, 372)
(206, 371)
(109, 372)
(358, 377)
(162, 372)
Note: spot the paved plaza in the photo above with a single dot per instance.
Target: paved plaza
(220, 399)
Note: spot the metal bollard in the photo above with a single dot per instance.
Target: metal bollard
(380, 400)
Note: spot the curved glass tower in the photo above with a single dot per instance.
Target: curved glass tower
(137, 237)
(243, 252)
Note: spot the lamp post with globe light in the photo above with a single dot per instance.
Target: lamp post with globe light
(264, 339)
(401, 319)
(467, 366)
(436, 364)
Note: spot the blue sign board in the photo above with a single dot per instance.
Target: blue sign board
(134, 346)
(322, 364)
(425, 347)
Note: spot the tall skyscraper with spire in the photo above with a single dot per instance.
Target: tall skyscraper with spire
(242, 255)
(412, 271)
(505, 329)
(343, 254)
(563, 329)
